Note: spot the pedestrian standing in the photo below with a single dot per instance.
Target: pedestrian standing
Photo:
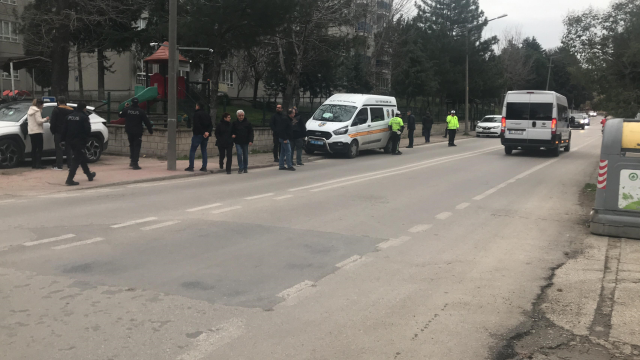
(35, 128)
(427, 124)
(285, 134)
(452, 126)
(411, 126)
(396, 126)
(202, 129)
(274, 130)
(242, 134)
(446, 128)
(75, 134)
(224, 142)
(58, 119)
(299, 132)
(135, 117)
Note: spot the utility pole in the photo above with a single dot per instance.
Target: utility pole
(466, 91)
(173, 85)
(550, 65)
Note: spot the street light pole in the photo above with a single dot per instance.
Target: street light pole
(466, 92)
(173, 86)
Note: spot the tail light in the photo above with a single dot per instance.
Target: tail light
(554, 126)
(504, 125)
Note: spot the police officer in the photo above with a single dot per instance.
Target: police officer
(452, 127)
(134, 118)
(396, 126)
(75, 134)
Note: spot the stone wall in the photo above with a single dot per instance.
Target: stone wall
(156, 145)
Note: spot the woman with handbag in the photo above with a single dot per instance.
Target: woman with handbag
(36, 131)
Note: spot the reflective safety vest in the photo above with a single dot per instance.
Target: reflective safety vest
(452, 122)
(396, 123)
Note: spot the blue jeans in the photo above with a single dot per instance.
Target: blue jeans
(198, 140)
(285, 152)
(243, 156)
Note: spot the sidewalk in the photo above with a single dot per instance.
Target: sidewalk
(114, 170)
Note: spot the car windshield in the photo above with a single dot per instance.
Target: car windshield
(334, 113)
(490, 119)
(14, 111)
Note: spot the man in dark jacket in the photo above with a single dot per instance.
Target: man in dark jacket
(202, 129)
(427, 124)
(274, 129)
(285, 134)
(411, 126)
(134, 118)
(224, 141)
(299, 132)
(242, 134)
(58, 119)
(75, 134)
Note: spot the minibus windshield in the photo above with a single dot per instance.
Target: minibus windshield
(334, 113)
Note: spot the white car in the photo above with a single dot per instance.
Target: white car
(15, 147)
(593, 113)
(489, 126)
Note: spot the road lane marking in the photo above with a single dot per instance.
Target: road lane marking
(295, 289)
(214, 338)
(85, 242)
(204, 207)
(157, 183)
(420, 228)
(226, 209)
(63, 195)
(168, 223)
(32, 243)
(395, 170)
(6, 201)
(349, 261)
(134, 222)
(258, 196)
(443, 216)
(462, 206)
(283, 197)
(393, 242)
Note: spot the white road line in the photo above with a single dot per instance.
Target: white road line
(32, 243)
(420, 228)
(524, 174)
(350, 260)
(395, 170)
(6, 201)
(162, 183)
(134, 222)
(462, 206)
(214, 338)
(226, 209)
(295, 289)
(283, 197)
(63, 195)
(258, 196)
(204, 207)
(443, 216)
(168, 223)
(393, 242)
(90, 241)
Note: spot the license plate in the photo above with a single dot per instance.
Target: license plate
(516, 132)
(316, 142)
(486, 131)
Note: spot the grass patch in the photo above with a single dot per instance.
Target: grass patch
(588, 187)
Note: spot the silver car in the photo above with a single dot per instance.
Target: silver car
(15, 146)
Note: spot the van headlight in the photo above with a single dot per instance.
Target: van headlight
(341, 131)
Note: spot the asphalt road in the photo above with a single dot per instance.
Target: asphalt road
(435, 254)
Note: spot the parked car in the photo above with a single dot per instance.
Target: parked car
(489, 126)
(593, 113)
(15, 146)
(579, 121)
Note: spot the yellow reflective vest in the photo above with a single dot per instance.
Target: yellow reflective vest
(396, 123)
(452, 122)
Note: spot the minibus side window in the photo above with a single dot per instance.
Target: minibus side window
(377, 114)
(362, 117)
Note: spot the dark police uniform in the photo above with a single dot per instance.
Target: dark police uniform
(75, 133)
(134, 118)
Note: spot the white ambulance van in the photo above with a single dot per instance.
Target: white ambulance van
(348, 123)
(534, 120)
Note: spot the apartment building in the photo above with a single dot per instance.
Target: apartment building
(11, 44)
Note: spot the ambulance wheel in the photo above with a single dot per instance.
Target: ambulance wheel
(508, 150)
(353, 150)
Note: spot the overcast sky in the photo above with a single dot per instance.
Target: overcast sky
(539, 18)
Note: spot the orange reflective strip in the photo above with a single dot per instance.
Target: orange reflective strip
(364, 133)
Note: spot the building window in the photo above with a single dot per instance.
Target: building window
(383, 83)
(11, 2)
(227, 77)
(16, 75)
(8, 31)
